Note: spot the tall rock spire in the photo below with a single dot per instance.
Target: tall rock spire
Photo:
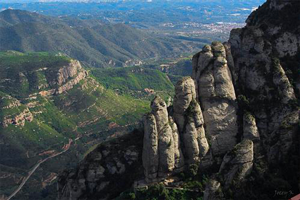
(188, 116)
(161, 149)
(216, 94)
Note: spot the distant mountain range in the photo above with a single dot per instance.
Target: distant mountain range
(91, 42)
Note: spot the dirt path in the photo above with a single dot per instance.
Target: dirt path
(66, 148)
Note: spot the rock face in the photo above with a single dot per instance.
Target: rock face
(239, 113)
(161, 151)
(164, 134)
(112, 166)
(13, 112)
(150, 147)
(66, 78)
(265, 54)
(237, 163)
(189, 118)
(69, 71)
(213, 190)
(215, 92)
(18, 119)
(250, 130)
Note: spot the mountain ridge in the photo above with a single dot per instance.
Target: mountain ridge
(48, 99)
(231, 133)
(99, 46)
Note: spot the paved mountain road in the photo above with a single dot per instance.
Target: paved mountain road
(66, 148)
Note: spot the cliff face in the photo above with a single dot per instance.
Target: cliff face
(217, 96)
(237, 118)
(266, 64)
(46, 100)
(65, 78)
(43, 81)
(170, 141)
(106, 171)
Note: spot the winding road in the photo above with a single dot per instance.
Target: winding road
(66, 148)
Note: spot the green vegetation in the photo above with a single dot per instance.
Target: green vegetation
(160, 192)
(94, 102)
(181, 66)
(134, 80)
(192, 187)
(22, 73)
(106, 102)
(87, 112)
(96, 44)
(31, 61)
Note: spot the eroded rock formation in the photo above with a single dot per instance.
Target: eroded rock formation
(163, 152)
(66, 78)
(13, 112)
(216, 94)
(106, 171)
(265, 54)
(189, 118)
(239, 113)
(237, 163)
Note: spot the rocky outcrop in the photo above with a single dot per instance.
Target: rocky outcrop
(8, 102)
(18, 119)
(283, 139)
(265, 53)
(213, 190)
(189, 118)
(12, 112)
(161, 150)
(178, 156)
(67, 77)
(184, 94)
(150, 148)
(282, 83)
(106, 171)
(238, 116)
(250, 130)
(236, 166)
(67, 72)
(216, 95)
(237, 163)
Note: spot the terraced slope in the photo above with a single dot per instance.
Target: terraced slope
(47, 99)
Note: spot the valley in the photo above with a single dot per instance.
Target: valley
(148, 99)
(49, 99)
(203, 21)
(93, 43)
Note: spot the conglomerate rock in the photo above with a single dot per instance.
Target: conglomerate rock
(242, 102)
(216, 94)
(237, 163)
(188, 116)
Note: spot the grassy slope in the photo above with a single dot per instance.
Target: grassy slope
(85, 111)
(134, 80)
